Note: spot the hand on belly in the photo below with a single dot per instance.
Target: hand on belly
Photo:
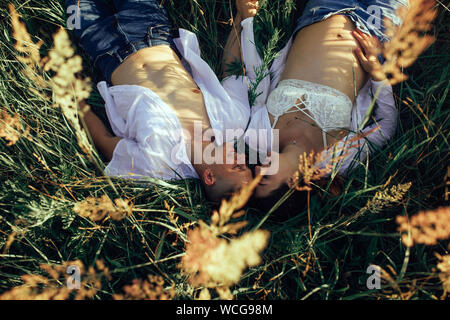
(324, 53)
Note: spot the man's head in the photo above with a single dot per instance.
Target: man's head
(225, 176)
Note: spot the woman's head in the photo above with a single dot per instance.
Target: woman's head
(275, 185)
(280, 174)
(292, 203)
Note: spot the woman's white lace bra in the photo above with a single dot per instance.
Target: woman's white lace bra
(328, 107)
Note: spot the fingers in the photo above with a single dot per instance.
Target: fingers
(247, 8)
(253, 6)
(360, 55)
(367, 52)
(370, 44)
(362, 41)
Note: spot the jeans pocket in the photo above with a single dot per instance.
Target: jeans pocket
(159, 32)
(106, 63)
(102, 56)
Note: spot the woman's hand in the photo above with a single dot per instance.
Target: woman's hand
(367, 52)
(247, 8)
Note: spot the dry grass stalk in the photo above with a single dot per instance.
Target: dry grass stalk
(68, 90)
(447, 184)
(313, 167)
(444, 275)
(382, 199)
(170, 210)
(9, 241)
(220, 218)
(426, 227)
(150, 289)
(309, 170)
(396, 289)
(204, 294)
(387, 197)
(29, 51)
(409, 40)
(53, 286)
(215, 262)
(224, 293)
(97, 209)
(11, 129)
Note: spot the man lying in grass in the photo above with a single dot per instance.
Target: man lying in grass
(172, 117)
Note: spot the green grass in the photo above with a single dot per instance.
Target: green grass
(37, 203)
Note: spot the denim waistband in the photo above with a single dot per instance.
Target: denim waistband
(368, 15)
(110, 31)
(109, 61)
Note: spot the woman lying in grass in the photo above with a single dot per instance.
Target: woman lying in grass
(320, 87)
(167, 120)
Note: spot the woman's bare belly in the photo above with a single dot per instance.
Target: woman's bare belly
(160, 70)
(321, 53)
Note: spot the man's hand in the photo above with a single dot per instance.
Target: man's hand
(367, 52)
(247, 8)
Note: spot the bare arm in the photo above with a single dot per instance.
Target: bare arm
(103, 140)
(232, 50)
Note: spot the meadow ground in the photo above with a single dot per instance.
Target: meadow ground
(47, 178)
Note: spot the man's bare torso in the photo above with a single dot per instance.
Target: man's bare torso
(160, 70)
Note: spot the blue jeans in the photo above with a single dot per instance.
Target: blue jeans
(112, 30)
(367, 15)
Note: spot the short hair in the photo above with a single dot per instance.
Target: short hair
(218, 191)
(294, 204)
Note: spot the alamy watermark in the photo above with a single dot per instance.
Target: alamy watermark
(375, 19)
(374, 280)
(74, 279)
(74, 17)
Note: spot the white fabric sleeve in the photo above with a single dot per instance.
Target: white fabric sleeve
(118, 124)
(237, 89)
(261, 81)
(125, 162)
(254, 66)
(256, 71)
(377, 134)
(278, 65)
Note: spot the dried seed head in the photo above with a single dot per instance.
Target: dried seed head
(409, 40)
(426, 227)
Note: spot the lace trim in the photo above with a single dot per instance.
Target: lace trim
(326, 106)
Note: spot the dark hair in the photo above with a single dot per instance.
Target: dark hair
(296, 202)
(293, 205)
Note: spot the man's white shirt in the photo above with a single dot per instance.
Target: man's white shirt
(153, 143)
